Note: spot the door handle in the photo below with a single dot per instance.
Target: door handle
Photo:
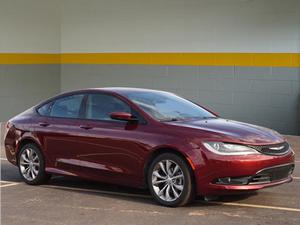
(86, 127)
(44, 124)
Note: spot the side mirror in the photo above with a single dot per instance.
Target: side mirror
(123, 116)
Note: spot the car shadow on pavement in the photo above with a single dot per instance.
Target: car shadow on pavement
(133, 194)
(10, 173)
(87, 187)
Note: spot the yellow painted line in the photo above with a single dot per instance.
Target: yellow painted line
(185, 59)
(256, 206)
(29, 58)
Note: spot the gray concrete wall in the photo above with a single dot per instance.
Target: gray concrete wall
(260, 95)
(22, 86)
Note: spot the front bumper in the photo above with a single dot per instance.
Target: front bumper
(216, 189)
(239, 174)
(264, 176)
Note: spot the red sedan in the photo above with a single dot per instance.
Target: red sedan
(148, 139)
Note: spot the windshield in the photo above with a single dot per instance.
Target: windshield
(165, 106)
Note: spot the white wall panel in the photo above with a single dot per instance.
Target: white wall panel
(180, 26)
(30, 26)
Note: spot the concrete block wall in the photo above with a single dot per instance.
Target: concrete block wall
(22, 86)
(261, 95)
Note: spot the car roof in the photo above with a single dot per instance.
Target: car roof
(118, 90)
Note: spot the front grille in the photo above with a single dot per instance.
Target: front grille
(272, 174)
(277, 149)
(263, 176)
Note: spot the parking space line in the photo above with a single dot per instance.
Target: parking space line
(296, 178)
(4, 159)
(257, 206)
(4, 181)
(8, 184)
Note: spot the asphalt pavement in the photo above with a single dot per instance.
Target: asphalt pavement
(70, 201)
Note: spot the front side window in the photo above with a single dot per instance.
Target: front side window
(165, 106)
(67, 107)
(100, 106)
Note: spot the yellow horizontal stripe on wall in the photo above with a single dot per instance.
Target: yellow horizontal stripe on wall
(29, 58)
(191, 59)
(201, 59)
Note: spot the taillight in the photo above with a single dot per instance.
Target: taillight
(3, 131)
(5, 128)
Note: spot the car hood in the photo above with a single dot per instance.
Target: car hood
(234, 131)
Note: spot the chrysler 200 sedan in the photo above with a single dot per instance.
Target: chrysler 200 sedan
(147, 139)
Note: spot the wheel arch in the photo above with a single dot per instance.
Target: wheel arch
(25, 141)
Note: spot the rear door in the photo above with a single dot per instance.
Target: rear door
(59, 130)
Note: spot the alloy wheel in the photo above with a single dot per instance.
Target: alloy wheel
(167, 180)
(29, 164)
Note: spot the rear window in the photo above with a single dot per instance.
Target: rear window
(45, 109)
(67, 107)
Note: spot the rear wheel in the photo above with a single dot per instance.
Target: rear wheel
(32, 165)
(170, 180)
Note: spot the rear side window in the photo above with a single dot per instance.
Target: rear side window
(67, 107)
(100, 106)
(45, 109)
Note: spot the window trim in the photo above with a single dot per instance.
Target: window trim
(142, 120)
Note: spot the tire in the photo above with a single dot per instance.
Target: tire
(31, 165)
(176, 181)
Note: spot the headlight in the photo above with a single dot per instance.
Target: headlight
(229, 149)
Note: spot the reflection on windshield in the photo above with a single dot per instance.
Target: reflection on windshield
(165, 106)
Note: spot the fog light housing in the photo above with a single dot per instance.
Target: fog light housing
(232, 180)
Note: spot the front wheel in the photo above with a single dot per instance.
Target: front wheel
(170, 180)
(32, 165)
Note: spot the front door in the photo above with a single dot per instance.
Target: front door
(112, 149)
